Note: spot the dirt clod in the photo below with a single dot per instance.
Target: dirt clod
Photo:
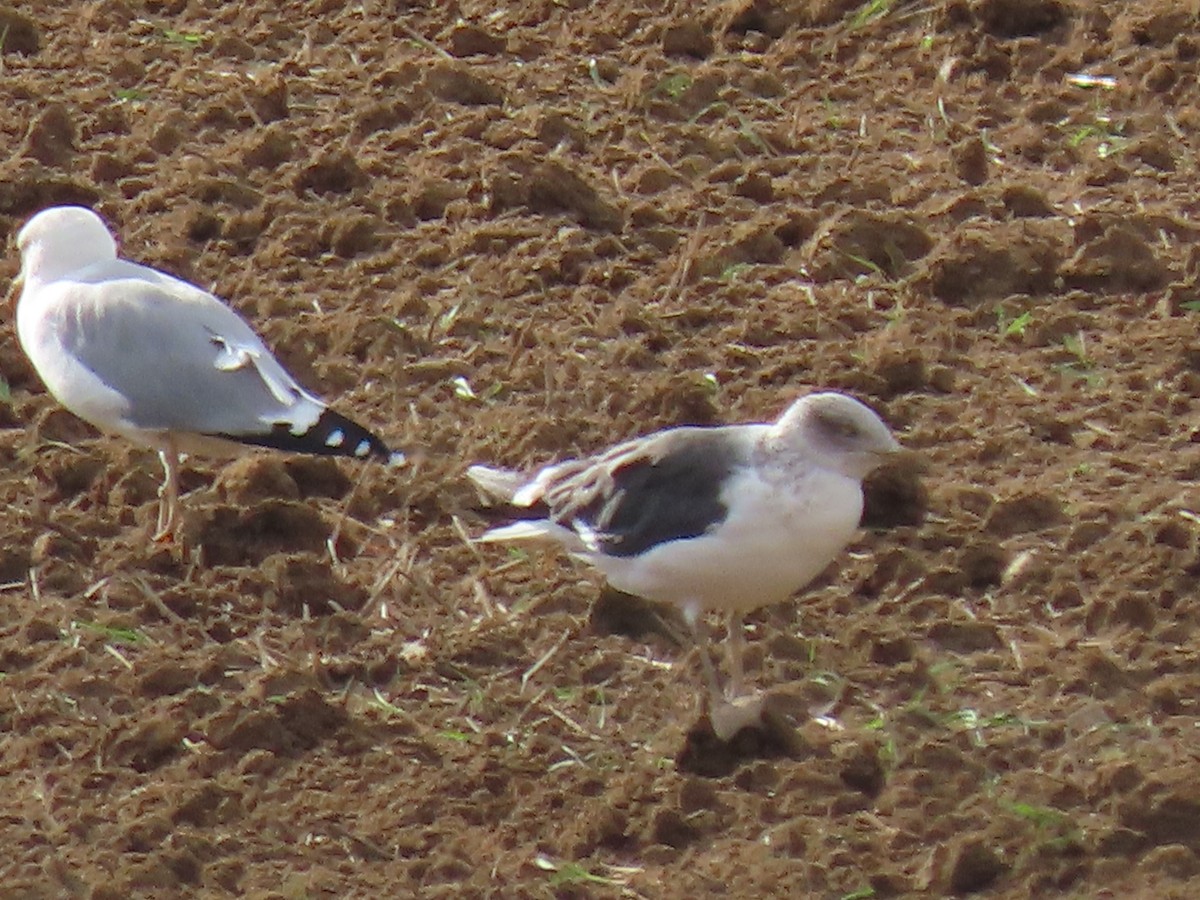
(1024, 513)
(519, 233)
(1020, 18)
(974, 866)
(1119, 260)
(333, 173)
(457, 84)
(689, 38)
(18, 33)
(51, 136)
(301, 585)
(473, 40)
(553, 187)
(858, 242)
(971, 160)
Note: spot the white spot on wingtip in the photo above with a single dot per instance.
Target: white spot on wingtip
(363, 448)
(336, 438)
(396, 460)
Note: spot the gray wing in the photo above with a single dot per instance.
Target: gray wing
(666, 487)
(181, 359)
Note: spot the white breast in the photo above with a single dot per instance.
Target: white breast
(41, 323)
(778, 536)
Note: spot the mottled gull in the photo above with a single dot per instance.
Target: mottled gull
(139, 353)
(726, 519)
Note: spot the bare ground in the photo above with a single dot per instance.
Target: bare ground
(515, 232)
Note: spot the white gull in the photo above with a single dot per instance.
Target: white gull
(139, 353)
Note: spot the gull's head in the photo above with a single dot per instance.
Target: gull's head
(837, 432)
(61, 240)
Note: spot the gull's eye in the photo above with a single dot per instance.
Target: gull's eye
(839, 427)
(842, 428)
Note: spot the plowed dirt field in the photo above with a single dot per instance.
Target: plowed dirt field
(512, 232)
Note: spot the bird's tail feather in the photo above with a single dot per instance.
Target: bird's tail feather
(498, 484)
(534, 530)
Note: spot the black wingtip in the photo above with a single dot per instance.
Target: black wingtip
(331, 435)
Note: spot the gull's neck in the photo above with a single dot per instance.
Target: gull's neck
(783, 450)
(790, 449)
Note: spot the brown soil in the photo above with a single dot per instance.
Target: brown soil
(511, 232)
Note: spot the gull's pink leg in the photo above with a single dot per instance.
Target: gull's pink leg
(168, 496)
(737, 644)
(692, 615)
